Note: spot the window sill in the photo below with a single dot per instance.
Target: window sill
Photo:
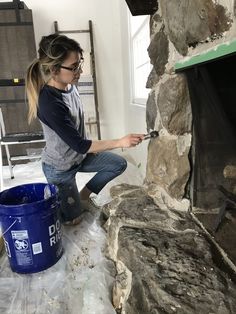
(139, 102)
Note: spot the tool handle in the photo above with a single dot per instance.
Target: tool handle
(152, 134)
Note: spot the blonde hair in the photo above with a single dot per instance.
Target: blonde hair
(53, 50)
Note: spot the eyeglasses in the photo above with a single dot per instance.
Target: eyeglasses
(75, 69)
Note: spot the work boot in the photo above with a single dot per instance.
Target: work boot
(90, 206)
(75, 221)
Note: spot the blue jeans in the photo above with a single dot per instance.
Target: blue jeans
(107, 165)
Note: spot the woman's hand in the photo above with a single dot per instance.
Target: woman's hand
(131, 140)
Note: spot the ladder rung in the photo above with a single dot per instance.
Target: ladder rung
(74, 31)
(92, 122)
(25, 157)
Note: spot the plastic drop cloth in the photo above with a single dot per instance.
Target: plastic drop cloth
(80, 282)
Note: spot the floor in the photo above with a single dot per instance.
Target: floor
(80, 282)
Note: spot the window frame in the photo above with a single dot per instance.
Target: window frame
(136, 100)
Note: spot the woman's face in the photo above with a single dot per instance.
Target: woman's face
(70, 70)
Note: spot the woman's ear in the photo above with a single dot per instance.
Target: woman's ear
(54, 70)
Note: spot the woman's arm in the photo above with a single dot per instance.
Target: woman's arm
(129, 140)
(57, 117)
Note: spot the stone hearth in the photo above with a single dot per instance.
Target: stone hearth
(165, 263)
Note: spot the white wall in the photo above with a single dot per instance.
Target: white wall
(75, 14)
(118, 116)
(135, 115)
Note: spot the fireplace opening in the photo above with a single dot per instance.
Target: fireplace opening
(212, 87)
(213, 99)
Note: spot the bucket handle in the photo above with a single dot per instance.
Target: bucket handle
(9, 228)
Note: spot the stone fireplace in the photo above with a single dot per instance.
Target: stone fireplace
(173, 239)
(192, 105)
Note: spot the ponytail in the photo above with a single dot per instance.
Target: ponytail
(34, 83)
(53, 50)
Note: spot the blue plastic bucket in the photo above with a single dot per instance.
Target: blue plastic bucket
(31, 228)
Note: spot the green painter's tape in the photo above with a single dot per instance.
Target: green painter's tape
(217, 52)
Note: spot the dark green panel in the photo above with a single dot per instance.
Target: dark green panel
(207, 56)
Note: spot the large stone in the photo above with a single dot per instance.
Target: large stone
(173, 272)
(155, 23)
(163, 199)
(174, 105)
(168, 168)
(137, 209)
(123, 189)
(153, 79)
(151, 111)
(190, 22)
(158, 51)
(164, 263)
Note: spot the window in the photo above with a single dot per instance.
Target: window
(141, 67)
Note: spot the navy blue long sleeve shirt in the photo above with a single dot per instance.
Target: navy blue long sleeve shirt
(62, 118)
